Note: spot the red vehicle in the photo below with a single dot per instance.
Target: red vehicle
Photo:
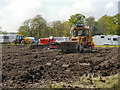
(48, 43)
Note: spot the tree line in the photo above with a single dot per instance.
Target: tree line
(38, 27)
(3, 32)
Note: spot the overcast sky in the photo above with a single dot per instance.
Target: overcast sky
(14, 12)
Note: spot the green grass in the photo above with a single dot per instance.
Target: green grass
(97, 82)
(5, 44)
(104, 46)
(19, 44)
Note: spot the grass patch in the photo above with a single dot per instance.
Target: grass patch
(104, 46)
(91, 82)
(99, 82)
(56, 85)
(19, 44)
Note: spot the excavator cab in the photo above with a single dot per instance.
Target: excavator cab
(79, 32)
(19, 38)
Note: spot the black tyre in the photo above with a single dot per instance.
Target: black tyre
(22, 42)
(91, 48)
(13, 43)
(80, 49)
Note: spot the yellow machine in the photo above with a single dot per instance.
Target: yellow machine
(20, 40)
(79, 40)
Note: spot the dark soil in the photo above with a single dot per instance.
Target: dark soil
(25, 66)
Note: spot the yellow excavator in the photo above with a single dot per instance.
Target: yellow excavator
(20, 40)
(79, 40)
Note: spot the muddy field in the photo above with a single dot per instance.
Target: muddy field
(28, 67)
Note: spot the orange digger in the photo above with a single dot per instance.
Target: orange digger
(80, 40)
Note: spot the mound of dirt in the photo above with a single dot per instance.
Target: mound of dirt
(25, 65)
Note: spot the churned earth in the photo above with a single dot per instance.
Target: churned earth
(34, 67)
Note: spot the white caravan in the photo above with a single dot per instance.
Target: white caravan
(106, 40)
(60, 39)
(4, 38)
(7, 38)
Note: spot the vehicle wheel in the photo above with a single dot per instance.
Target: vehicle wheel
(13, 43)
(80, 49)
(91, 48)
(22, 42)
(67, 50)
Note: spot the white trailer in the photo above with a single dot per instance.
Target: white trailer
(60, 39)
(4, 38)
(7, 38)
(106, 40)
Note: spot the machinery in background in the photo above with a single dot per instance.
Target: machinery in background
(20, 39)
(48, 42)
(31, 40)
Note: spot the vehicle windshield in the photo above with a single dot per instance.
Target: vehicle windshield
(20, 37)
(80, 32)
(77, 33)
(17, 37)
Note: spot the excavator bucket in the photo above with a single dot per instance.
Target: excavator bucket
(68, 45)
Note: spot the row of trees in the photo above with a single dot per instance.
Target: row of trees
(3, 32)
(38, 26)
(105, 25)
(108, 24)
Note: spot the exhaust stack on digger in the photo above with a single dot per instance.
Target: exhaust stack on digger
(79, 40)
